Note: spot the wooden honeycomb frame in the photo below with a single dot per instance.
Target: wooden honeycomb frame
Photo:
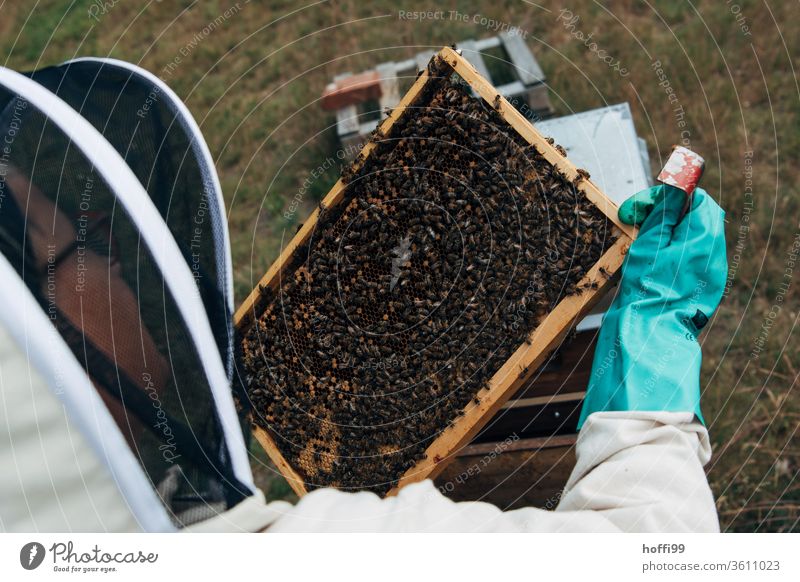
(550, 332)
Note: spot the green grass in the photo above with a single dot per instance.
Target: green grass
(253, 87)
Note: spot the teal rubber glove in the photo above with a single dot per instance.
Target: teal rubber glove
(647, 356)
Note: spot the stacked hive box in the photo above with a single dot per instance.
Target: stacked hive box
(359, 99)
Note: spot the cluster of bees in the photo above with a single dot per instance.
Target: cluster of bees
(454, 238)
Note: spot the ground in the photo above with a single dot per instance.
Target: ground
(718, 75)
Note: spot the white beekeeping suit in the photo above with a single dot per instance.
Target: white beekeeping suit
(116, 360)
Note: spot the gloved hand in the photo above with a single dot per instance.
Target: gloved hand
(647, 356)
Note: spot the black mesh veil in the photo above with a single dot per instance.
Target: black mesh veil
(96, 256)
(148, 126)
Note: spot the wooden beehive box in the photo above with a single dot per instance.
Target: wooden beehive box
(526, 358)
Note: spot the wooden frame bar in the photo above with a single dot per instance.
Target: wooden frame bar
(508, 379)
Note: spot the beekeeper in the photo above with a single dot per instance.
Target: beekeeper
(640, 452)
(117, 381)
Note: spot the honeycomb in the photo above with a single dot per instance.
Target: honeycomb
(452, 241)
